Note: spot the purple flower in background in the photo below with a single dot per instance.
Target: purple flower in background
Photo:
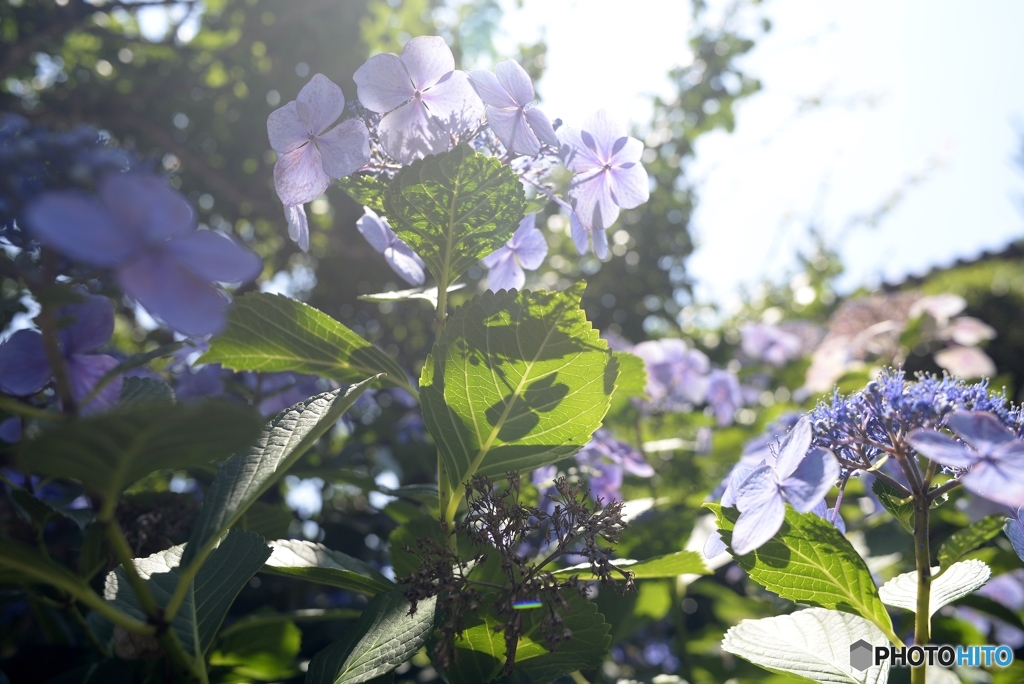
(423, 101)
(724, 395)
(507, 93)
(399, 255)
(147, 233)
(525, 251)
(995, 459)
(608, 177)
(798, 477)
(769, 343)
(676, 374)
(10, 430)
(309, 155)
(25, 368)
(607, 458)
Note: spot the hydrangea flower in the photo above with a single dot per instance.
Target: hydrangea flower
(608, 458)
(423, 101)
(676, 374)
(851, 426)
(769, 343)
(608, 177)
(755, 452)
(25, 368)
(146, 232)
(507, 93)
(309, 154)
(994, 460)
(724, 395)
(525, 251)
(403, 261)
(801, 476)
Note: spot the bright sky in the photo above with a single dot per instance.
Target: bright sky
(932, 90)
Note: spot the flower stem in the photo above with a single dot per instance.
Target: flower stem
(922, 558)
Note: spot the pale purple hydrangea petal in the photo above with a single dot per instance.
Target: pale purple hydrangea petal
(405, 262)
(714, 546)
(630, 187)
(497, 256)
(24, 368)
(216, 257)
(529, 244)
(299, 176)
(576, 156)
(408, 133)
(147, 206)
(491, 92)
(454, 104)
(345, 148)
(810, 482)
(761, 511)
(600, 240)
(427, 58)
(398, 254)
(77, 226)
(319, 103)
(89, 326)
(84, 371)
(286, 130)
(580, 235)
(375, 229)
(541, 126)
(1015, 532)
(941, 448)
(793, 449)
(980, 429)
(601, 132)
(505, 273)
(298, 226)
(592, 195)
(509, 124)
(174, 294)
(999, 480)
(383, 83)
(516, 82)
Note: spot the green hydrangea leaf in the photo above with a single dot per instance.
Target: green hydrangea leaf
(968, 539)
(454, 208)
(271, 333)
(810, 561)
(516, 381)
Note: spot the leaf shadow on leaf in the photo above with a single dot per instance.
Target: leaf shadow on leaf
(521, 411)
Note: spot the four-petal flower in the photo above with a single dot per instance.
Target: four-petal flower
(526, 249)
(422, 99)
(147, 233)
(996, 461)
(608, 177)
(309, 154)
(25, 367)
(798, 477)
(508, 92)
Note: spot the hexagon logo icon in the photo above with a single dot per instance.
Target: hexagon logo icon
(860, 655)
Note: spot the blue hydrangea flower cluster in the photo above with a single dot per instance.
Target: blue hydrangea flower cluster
(34, 160)
(858, 427)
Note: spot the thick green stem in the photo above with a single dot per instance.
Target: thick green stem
(922, 562)
(922, 558)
